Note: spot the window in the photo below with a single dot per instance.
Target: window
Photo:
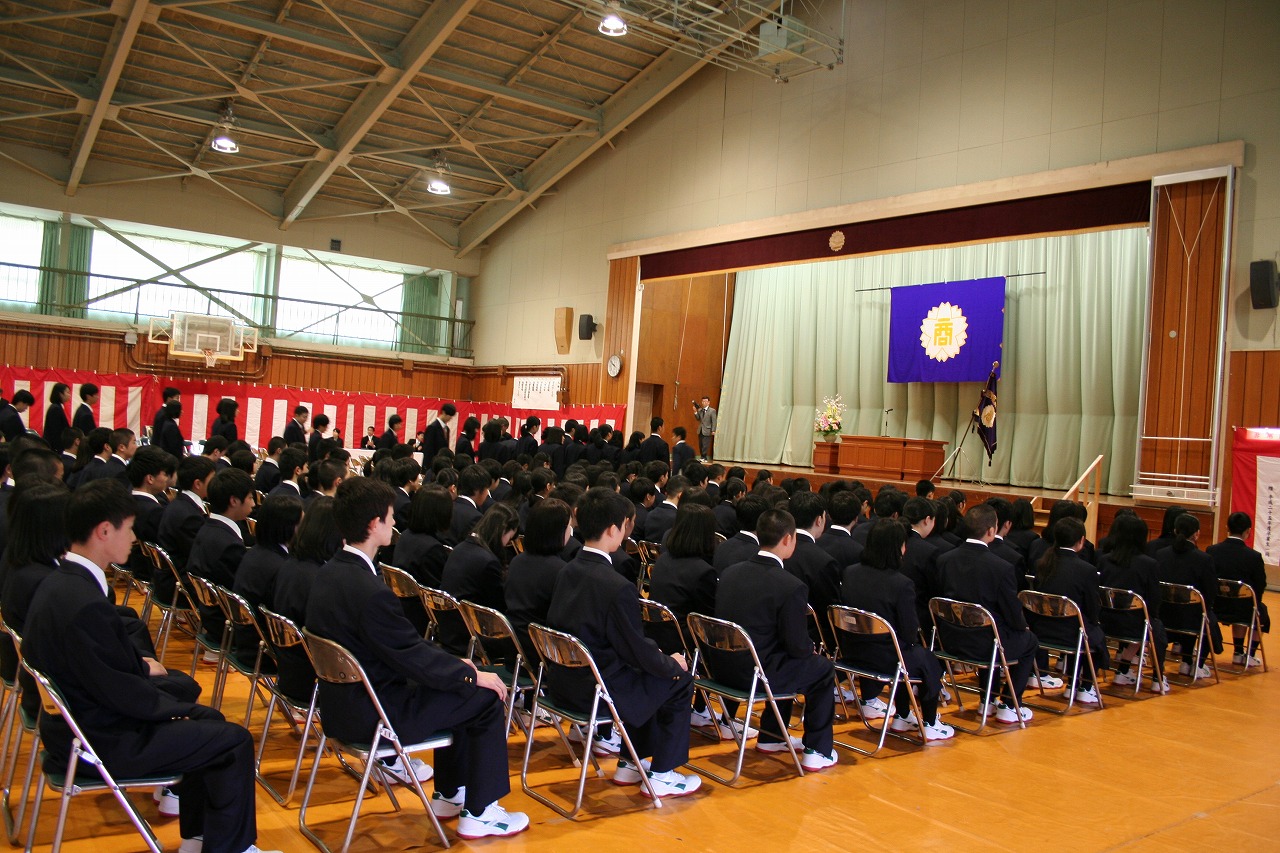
(319, 300)
(23, 240)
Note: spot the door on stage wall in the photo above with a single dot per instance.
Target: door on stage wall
(648, 401)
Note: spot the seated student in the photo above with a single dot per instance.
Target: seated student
(1061, 509)
(726, 511)
(874, 584)
(888, 504)
(1235, 560)
(150, 473)
(422, 688)
(1022, 532)
(181, 520)
(402, 475)
(924, 488)
(215, 447)
(1062, 572)
(1004, 549)
(1183, 563)
(1167, 536)
(660, 519)
(255, 579)
(642, 493)
(811, 564)
(652, 691)
(473, 491)
(219, 545)
(314, 543)
(920, 559)
(682, 577)
(293, 467)
(55, 416)
(473, 572)
(76, 638)
(94, 453)
(1126, 565)
(326, 474)
(771, 606)
(268, 475)
(421, 550)
(842, 513)
(970, 572)
(531, 577)
(945, 517)
(743, 545)
(72, 438)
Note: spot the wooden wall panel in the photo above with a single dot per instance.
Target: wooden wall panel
(1185, 300)
(619, 320)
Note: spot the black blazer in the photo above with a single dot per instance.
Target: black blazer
(105, 469)
(658, 522)
(294, 433)
(282, 488)
(1234, 560)
(770, 604)
(1022, 539)
(267, 477)
(737, 548)
(920, 566)
(170, 439)
(970, 572)
(555, 453)
(726, 519)
(421, 555)
(388, 440)
(83, 419)
(313, 445)
(890, 595)
(255, 582)
(1078, 581)
(400, 502)
(841, 546)
(818, 571)
(180, 521)
(55, 423)
(465, 516)
(681, 455)
(471, 573)
(1015, 558)
(685, 584)
(215, 555)
(146, 528)
(350, 605)
(11, 425)
(526, 444)
(225, 428)
(531, 581)
(655, 449)
(1192, 567)
(489, 450)
(433, 441)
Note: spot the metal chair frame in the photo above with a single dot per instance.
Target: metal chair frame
(566, 650)
(1235, 592)
(1116, 601)
(487, 623)
(724, 636)
(864, 623)
(206, 592)
(1188, 596)
(68, 785)
(179, 607)
(336, 665)
(964, 614)
(131, 583)
(656, 613)
(25, 726)
(239, 614)
(284, 633)
(437, 601)
(1043, 605)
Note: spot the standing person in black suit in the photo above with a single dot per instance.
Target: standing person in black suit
(181, 520)
(1126, 565)
(11, 423)
(473, 491)
(295, 432)
(422, 688)
(681, 452)
(150, 473)
(437, 437)
(167, 434)
(531, 578)
(655, 448)
(553, 447)
(1235, 560)
(743, 545)
(169, 395)
(874, 585)
(652, 691)
(389, 438)
(770, 604)
(268, 475)
(970, 572)
(319, 432)
(84, 419)
(219, 546)
(76, 638)
(708, 423)
(225, 424)
(56, 421)
(1062, 572)
(1183, 563)
(528, 441)
(490, 442)
(812, 564)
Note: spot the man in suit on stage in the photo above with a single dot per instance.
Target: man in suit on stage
(295, 432)
(655, 448)
(84, 420)
(708, 423)
(422, 688)
(437, 437)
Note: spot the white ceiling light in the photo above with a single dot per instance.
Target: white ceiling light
(612, 24)
(436, 184)
(224, 141)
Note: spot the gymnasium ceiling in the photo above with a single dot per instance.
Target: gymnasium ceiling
(346, 108)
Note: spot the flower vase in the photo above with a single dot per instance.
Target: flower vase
(829, 437)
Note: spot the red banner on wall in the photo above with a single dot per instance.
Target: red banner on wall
(131, 401)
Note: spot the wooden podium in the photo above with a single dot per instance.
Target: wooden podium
(880, 457)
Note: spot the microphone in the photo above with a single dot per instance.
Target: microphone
(887, 411)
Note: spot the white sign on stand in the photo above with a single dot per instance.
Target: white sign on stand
(536, 392)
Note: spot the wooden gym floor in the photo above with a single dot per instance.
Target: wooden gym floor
(1190, 771)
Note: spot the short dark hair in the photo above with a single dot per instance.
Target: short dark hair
(773, 526)
(227, 484)
(393, 421)
(924, 488)
(1004, 509)
(807, 508)
(749, 510)
(680, 432)
(276, 445)
(70, 436)
(697, 472)
(431, 510)
(212, 443)
(35, 461)
(87, 390)
(655, 424)
(149, 461)
(37, 529)
(656, 470)
(120, 437)
(916, 510)
(676, 486)
(242, 460)
(844, 508)
(320, 420)
(290, 461)
(227, 407)
(889, 503)
(329, 472)
(600, 509)
(545, 527)
(402, 472)
(23, 396)
(694, 532)
(979, 519)
(473, 479)
(1238, 523)
(169, 393)
(360, 501)
(193, 469)
(300, 410)
(1023, 514)
(105, 499)
(278, 520)
(884, 544)
(640, 488)
(317, 538)
(449, 409)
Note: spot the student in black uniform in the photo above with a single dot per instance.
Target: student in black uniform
(83, 419)
(55, 415)
(659, 519)
(293, 467)
(268, 474)
(219, 545)
(652, 691)
(1235, 560)
(256, 577)
(1062, 572)
(169, 395)
(681, 452)
(920, 559)
(1126, 565)
(683, 578)
(421, 550)
(11, 424)
(182, 519)
(835, 539)
(422, 688)
(1184, 563)
(1023, 531)
(874, 584)
(531, 578)
(295, 431)
(150, 472)
(167, 435)
(743, 545)
(770, 605)
(225, 424)
(655, 448)
(473, 491)
(474, 572)
(315, 542)
(813, 565)
(726, 511)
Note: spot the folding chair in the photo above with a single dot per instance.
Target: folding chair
(179, 608)
(649, 554)
(252, 524)
(1120, 609)
(1237, 606)
(817, 627)
(443, 607)
(962, 623)
(723, 647)
(559, 649)
(68, 783)
(851, 628)
(282, 633)
(133, 583)
(26, 727)
(485, 623)
(662, 626)
(206, 593)
(517, 544)
(240, 615)
(336, 665)
(1045, 609)
(1182, 605)
(406, 589)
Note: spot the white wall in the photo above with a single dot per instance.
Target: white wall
(932, 95)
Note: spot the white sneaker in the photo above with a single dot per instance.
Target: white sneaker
(1201, 671)
(1088, 697)
(1048, 682)
(1161, 686)
(600, 745)
(209, 656)
(167, 801)
(447, 807)
(672, 784)
(733, 729)
(875, 709)
(421, 769)
(253, 848)
(1246, 660)
(909, 723)
(627, 773)
(779, 746)
(1124, 679)
(814, 761)
(1006, 714)
(944, 695)
(700, 720)
(846, 694)
(493, 821)
(192, 845)
(938, 730)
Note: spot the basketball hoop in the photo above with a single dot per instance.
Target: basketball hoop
(210, 357)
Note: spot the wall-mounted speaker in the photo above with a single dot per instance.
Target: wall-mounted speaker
(1264, 289)
(586, 327)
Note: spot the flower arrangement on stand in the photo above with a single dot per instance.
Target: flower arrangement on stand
(830, 418)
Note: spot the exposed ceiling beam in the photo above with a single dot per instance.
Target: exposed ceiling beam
(506, 93)
(421, 43)
(113, 62)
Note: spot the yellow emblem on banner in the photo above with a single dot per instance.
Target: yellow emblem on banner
(943, 332)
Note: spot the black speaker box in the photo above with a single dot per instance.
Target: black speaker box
(1264, 290)
(586, 327)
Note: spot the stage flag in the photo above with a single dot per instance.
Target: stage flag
(948, 332)
(984, 416)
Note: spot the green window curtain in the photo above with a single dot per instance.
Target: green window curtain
(58, 290)
(422, 296)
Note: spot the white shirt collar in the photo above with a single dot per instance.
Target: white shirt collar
(806, 533)
(597, 551)
(754, 538)
(229, 523)
(670, 504)
(98, 574)
(771, 555)
(267, 460)
(296, 487)
(362, 555)
(123, 461)
(837, 527)
(468, 499)
(977, 542)
(146, 495)
(195, 499)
